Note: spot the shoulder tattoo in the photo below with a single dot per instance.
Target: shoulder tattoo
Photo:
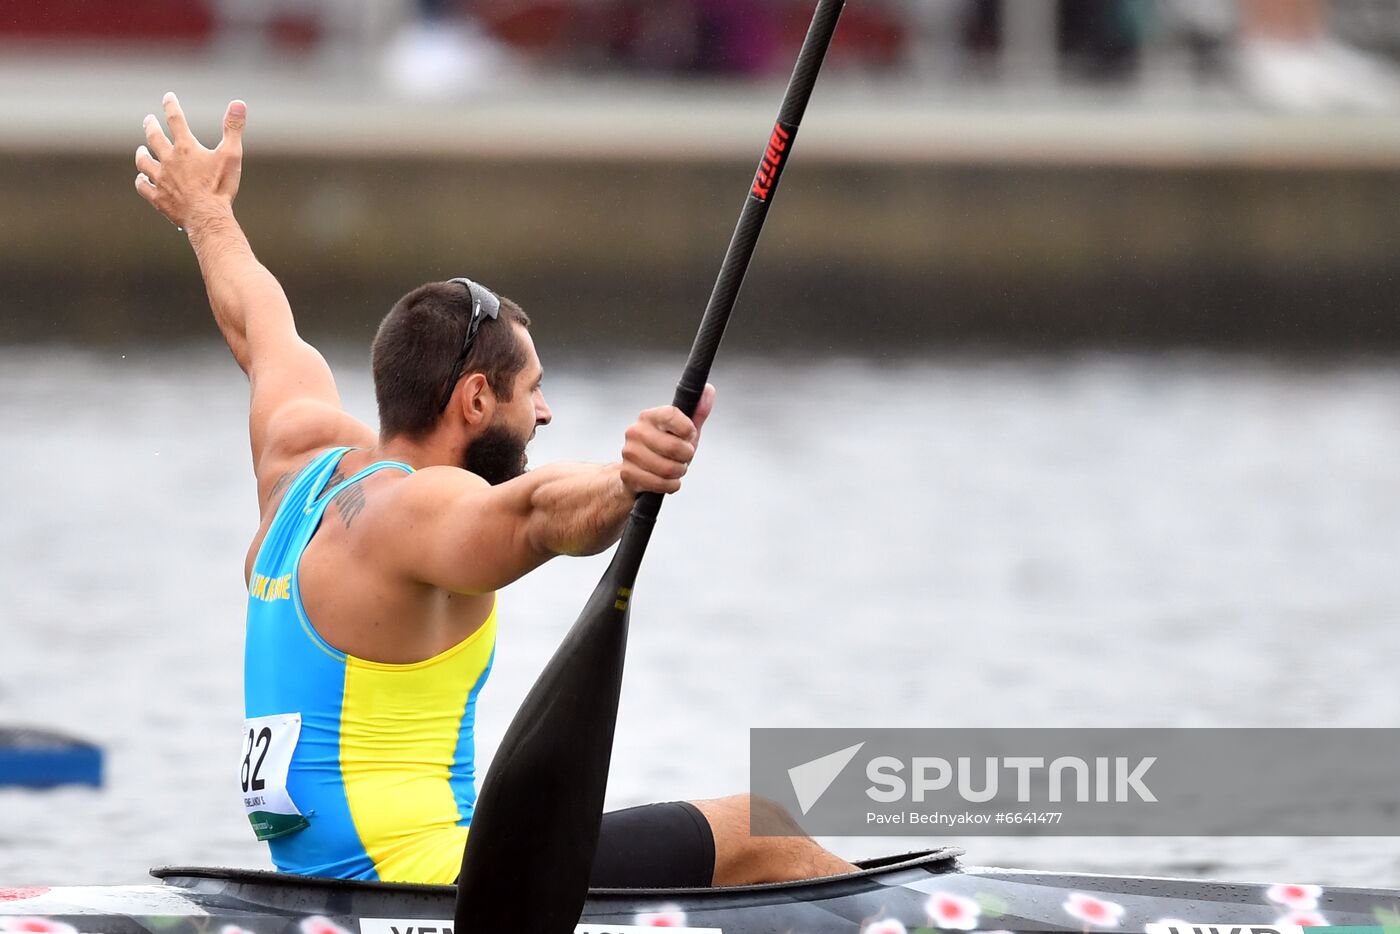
(280, 486)
(349, 503)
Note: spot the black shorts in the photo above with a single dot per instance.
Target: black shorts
(656, 846)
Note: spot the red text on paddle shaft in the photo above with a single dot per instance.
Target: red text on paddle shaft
(772, 162)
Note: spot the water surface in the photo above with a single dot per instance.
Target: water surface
(1090, 541)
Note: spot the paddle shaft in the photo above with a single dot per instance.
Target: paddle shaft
(756, 205)
(535, 831)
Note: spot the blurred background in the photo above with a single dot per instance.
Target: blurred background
(1182, 172)
(1062, 391)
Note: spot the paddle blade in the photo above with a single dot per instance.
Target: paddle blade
(530, 850)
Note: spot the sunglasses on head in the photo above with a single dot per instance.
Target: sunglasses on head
(485, 304)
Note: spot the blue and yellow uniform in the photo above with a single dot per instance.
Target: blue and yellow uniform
(351, 768)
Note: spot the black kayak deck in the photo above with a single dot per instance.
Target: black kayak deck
(893, 895)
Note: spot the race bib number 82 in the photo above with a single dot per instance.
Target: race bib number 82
(268, 744)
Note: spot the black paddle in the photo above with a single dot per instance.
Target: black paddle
(535, 829)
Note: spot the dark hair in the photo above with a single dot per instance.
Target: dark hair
(417, 344)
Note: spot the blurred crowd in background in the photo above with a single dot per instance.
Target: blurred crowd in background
(1296, 55)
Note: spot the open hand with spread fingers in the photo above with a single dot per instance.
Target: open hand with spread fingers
(181, 178)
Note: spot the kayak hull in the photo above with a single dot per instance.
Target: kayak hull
(918, 891)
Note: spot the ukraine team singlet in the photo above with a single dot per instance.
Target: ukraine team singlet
(350, 768)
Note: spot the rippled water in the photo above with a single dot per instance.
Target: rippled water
(1105, 541)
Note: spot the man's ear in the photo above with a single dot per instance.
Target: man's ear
(477, 400)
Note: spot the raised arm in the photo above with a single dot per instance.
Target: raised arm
(291, 385)
(449, 528)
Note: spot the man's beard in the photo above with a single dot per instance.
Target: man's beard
(496, 455)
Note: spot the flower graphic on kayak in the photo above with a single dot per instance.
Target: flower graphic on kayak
(1303, 919)
(320, 924)
(953, 912)
(1297, 897)
(887, 926)
(20, 894)
(666, 916)
(36, 926)
(1091, 910)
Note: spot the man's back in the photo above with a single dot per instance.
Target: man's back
(359, 601)
(352, 768)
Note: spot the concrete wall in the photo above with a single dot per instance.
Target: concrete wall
(610, 252)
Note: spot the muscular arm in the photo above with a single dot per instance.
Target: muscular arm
(577, 509)
(450, 529)
(284, 372)
(249, 305)
(291, 385)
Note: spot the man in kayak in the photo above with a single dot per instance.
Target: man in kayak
(372, 579)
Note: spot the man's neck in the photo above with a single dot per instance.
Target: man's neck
(431, 451)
